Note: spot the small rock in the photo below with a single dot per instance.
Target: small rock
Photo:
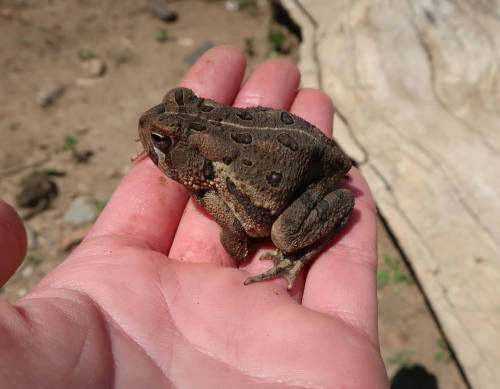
(7, 13)
(123, 51)
(396, 340)
(30, 237)
(22, 292)
(94, 67)
(37, 191)
(112, 173)
(185, 42)
(80, 212)
(163, 11)
(86, 82)
(197, 53)
(27, 271)
(47, 96)
(232, 5)
(72, 240)
(82, 131)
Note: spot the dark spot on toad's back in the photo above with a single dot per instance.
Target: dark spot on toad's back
(244, 115)
(208, 169)
(242, 137)
(287, 141)
(197, 126)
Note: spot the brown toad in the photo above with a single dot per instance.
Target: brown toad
(258, 171)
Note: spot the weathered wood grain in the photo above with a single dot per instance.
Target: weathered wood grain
(417, 88)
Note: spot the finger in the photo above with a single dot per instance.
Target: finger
(316, 107)
(147, 205)
(272, 84)
(342, 280)
(217, 75)
(12, 242)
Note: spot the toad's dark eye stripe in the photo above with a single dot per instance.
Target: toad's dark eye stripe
(158, 138)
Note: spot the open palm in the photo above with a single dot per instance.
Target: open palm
(151, 297)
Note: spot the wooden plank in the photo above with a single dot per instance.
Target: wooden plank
(417, 87)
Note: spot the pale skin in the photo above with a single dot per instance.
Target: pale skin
(151, 297)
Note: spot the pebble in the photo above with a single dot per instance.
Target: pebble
(112, 173)
(80, 212)
(396, 340)
(185, 42)
(30, 237)
(94, 67)
(86, 82)
(27, 271)
(47, 96)
(232, 5)
(22, 292)
(163, 11)
(123, 51)
(6, 13)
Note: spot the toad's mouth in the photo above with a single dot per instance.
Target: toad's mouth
(140, 153)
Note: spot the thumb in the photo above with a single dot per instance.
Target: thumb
(12, 242)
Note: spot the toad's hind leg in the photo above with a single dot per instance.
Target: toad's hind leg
(285, 266)
(304, 229)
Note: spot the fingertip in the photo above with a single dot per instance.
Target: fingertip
(13, 241)
(316, 107)
(217, 74)
(272, 84)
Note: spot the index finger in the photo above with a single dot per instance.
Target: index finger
(147, 205)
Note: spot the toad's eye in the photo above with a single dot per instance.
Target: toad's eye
(160, 138)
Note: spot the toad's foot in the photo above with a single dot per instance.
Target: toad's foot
(287, 267)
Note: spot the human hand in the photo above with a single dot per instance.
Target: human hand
(151, 297)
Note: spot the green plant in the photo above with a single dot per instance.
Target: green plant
(32, 258)
(70, 142)
(24, 40)
(442, 354)
(394, 274)
(249, 50)
(161, 35)
(53, 172)
(402, 358)
(100, 204)
(249, 5)
(85, 55)
(382, 278)
(275, 39)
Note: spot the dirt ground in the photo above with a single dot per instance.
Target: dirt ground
(96, 66)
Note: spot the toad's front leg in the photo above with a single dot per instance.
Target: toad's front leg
(305, 228)
(233, 237)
